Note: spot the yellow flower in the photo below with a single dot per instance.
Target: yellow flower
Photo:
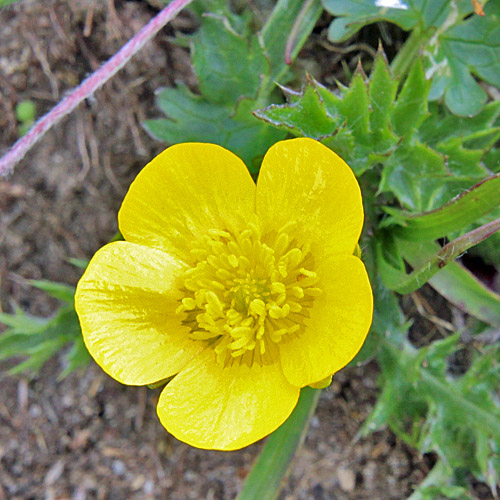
(245, 293)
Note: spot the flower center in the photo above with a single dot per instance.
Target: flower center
(247, 292)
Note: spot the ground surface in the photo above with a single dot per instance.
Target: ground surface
(87, 436)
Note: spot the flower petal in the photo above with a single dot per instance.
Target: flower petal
(183, 192)
(225, 408)
(302, 180)
(126, 303)
(339, 322)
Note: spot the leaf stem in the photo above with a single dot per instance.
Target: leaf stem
(90, 85)
(291, 41)
(406, 55)
(265, 479)
(445, 255)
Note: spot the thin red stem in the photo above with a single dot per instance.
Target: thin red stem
(90, 85)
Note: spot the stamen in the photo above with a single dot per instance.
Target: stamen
(248, 292)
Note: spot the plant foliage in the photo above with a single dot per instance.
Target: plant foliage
(456, 44)
(236, 69)
(36, 340)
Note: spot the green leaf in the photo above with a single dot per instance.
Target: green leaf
(343, 123)
(464, 410)
(77, 357)
(80, 263)
(492, 159)
(488, 249)
(60, 291)
(438, 483)
(382, 92)
(235, 69)
(428, 156)
(36, 340)
(416, 175)
(438, 413)
(444, 158)
(4, 3)
(228, 64)
(193, 118)
(306, 117)
(355, 106)
(388, 321)
(22, 324)
(470, 46)
(477, 132)
(410, 109)
(470, 206)
(39, 355)
(352, 15)
(290, 21)
(455, 46)
(265, 479)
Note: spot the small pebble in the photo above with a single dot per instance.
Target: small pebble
(347, 479)
(118, 467)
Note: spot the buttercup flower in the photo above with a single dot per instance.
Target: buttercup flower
(242, 293)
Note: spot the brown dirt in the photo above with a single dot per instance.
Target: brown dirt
(87, 436)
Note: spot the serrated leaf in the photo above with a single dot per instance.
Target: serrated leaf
(306, 117)
(447, 415)
(442, 125)
(416, 175)
(228, 64)
(461, 47)
(424, 170)
(382, 90)
(235, 74)
(410, 109)
(355, 107)
(195, 119)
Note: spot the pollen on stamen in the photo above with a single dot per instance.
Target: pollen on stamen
(247, 292)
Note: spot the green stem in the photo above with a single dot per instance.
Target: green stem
(409, 51)
(265, 480)
(407, 283)
(456, 284)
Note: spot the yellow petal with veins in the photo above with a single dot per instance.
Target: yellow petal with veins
(218, 407)
(338, 324)
(126, 302)
(303, 181)
(185, 191)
